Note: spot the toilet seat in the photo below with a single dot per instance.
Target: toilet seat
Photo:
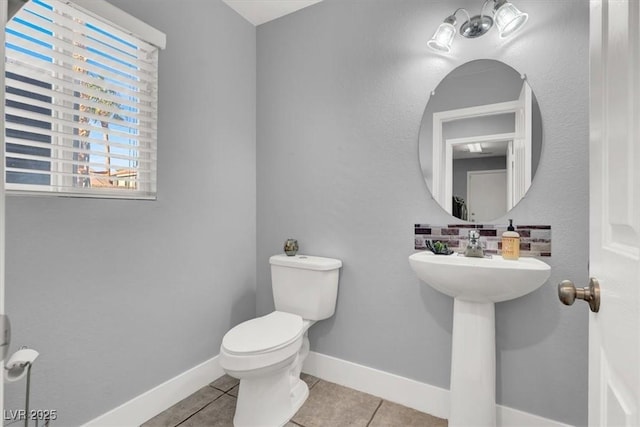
(262, 342)
(263, 334)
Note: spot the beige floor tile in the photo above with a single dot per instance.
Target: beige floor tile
(309, 379)
(218, 413)
(391, 414)
(225, 383)
(185, 408)
(332, 405)
(234, 391)
(328, 405)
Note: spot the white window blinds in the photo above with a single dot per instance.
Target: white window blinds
(81, 105)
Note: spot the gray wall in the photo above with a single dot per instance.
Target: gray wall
(120, 296)
(342, 87)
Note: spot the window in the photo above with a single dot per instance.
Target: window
(81, 102)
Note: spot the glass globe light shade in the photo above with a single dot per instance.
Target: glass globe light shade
(442, 38)
(509, 19)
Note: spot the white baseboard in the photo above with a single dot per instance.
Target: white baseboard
(413, 394)
(423, 397)
(152, 402)
(509, 417)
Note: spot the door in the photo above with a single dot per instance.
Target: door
(3, 18)
(486, 194)
(614, 332)
(519, 152)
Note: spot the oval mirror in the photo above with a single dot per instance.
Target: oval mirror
(480, 140)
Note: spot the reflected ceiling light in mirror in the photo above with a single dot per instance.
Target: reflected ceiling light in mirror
(507, 17)
(475, 148)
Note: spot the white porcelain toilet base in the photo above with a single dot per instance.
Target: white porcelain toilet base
(473, 365)
(269, 401)
(271, 396)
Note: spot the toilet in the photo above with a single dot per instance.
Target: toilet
(266, 353)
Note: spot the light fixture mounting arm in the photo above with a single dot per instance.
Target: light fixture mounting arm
(452, 18)
(497, 4)
(477, 25)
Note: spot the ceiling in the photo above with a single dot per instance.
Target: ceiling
(489, 149)
(260, 11)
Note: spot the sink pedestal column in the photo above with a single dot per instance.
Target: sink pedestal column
(473, 365)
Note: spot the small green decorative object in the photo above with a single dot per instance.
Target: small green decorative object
(438, 248)
(291, 247)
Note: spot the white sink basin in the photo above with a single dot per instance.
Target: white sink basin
(480, 279)
(476, 284)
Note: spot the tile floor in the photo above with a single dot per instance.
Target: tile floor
(328, 404)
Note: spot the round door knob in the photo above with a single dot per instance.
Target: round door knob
(568, 293)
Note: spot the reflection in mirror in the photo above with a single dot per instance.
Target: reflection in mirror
(480, 140)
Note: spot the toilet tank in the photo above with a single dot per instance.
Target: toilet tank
(305, 285)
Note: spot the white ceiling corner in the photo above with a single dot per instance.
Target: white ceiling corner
(260, 11)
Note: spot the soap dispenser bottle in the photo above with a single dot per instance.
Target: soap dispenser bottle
(510, 243)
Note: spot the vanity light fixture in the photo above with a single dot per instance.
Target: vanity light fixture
(507, 17)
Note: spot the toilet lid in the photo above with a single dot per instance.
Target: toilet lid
(263, 334)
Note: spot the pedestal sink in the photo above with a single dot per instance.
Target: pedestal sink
(476, 284)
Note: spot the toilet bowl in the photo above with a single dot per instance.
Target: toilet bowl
(266, 353)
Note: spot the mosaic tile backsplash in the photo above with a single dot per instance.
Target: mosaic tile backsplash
(535, 240)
